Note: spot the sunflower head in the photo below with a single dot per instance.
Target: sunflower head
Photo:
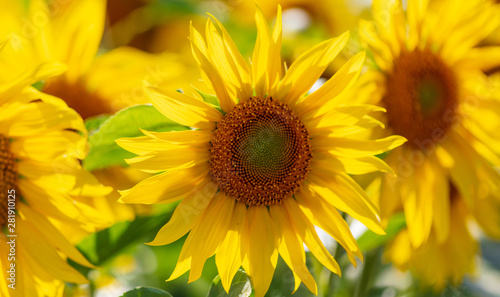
(429, 73)
(8, 175)
(263, 164)
(47, 192)
(260, 152)
(423, 88)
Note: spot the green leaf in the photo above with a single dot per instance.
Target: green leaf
(369, 240)
(93, 123)
(146, 292)
(108, 243)
(104, 152)
(240, 287)
(38, 85)
(211, 99)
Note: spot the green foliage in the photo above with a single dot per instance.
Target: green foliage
(146, 292)
(108, 243)
(93, 123)
(209, 98)
(240, 286)
(369, 240)
(160, 11)
(104, 152)
(38, 85)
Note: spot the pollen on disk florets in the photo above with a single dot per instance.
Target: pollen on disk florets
(260, 152)
(8, 176)
(421, 97)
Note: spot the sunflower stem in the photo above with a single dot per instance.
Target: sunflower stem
(334, 280)
(372, 261)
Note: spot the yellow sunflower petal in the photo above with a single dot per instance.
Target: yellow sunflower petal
(400, 250)
(35, 118)
(355, 148)
(208, 234)
(55, 205)
(35, 247)
(228, 256)
(415, 13)
(177, 157)
(79, 32)
(380, 50)
(181, 137)
(341, 192)
(352, 165)
(186, 214)
(328, 94)
(483, 58)
(487, 214)
(307, 68)
(261, 54)
(323, 214)
(481, 20)
(263, 253)
(293, 246)
(143, 145)
(417, 201)
(341, 117)
(438, 187)
(240, 63)
(41, 72)
(463, 171)
(214, 77)
(389, 15)
(166, 187)
(53, 235)
(285, 255)
(183, 109)
(61, 142)
(232, 72)
(306, 231)
(274, 69)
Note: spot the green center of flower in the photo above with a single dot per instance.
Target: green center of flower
(8, 176)
(429, 96)
(421, 98)
(265, 148)
(260, 152)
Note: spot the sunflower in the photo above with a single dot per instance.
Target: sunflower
(336, 16)
(42, 186)
(70, 32)
(428, 73)
(453, 257)
(264, 163)
(305, 24)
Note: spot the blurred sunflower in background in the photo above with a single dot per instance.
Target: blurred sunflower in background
(264, 162)
(157, 26)
(41, 144)
(426, 70)
(94, 84)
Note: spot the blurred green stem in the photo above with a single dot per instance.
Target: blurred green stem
(332, 287)
(334, 279)
(370, 270)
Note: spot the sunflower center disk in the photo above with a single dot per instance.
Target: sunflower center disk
(8, 176)
(421, 98)
(87, 104)
(260, 152)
